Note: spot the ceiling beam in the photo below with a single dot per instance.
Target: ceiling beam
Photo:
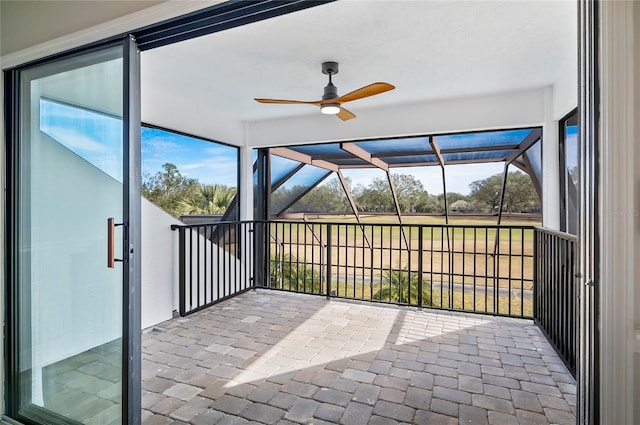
(303, 158)
(436, 149)
(364, 155)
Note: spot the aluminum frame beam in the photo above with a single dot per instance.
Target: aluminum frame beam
(436, 148)
(304, 158)
(366, 156)
(357, 151)
(354, 207)
(530, 140)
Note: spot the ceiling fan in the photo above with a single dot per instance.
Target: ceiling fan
(331, 103)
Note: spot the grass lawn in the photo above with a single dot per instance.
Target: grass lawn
(478, 302)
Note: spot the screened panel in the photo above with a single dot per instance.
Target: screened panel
(396, 146)
(414, 159)
(322, 151)
(281, 167)
(327, 197)
(350, 162)
(370, 189)
(477, 156)
(189, 176)
(484, 139)
(534, 155)
(296, 186)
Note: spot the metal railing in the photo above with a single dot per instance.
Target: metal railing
(482, 269)
(556, 296)
(215, 263)
(517, 271)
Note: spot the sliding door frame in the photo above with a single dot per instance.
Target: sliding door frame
(131, 271)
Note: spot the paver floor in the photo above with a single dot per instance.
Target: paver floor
(277, 358)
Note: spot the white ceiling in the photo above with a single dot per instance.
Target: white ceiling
(430, 50)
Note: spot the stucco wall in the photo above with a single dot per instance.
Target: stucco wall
(159, 265)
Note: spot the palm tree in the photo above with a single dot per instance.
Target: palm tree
(401, 286)
(207, 199)
(287, 273)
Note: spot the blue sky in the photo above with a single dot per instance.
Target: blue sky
(97, 138)
(205, 161)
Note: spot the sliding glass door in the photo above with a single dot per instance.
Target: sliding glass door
(73, 236)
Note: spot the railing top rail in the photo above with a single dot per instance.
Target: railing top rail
(444, 226)
(557, 233)
(213, 223)
(353, 223)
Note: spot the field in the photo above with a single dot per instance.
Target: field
(469, 265)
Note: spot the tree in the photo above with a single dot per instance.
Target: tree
(327, 197)
(168, 188)
(377, 195)
(487, 192)
(519, 196)
(374, 198)
(411, 194)
(207, 199)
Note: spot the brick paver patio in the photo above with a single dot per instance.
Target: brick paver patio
(277, 358)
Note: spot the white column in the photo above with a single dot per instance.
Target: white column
(619, 222)
(550, 166)
(246, 183)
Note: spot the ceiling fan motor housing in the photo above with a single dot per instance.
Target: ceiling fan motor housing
(330, 92)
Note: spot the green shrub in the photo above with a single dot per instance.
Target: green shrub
(286, 273)
(401, 286)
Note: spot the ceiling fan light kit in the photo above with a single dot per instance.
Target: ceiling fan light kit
(331, 103)
(330, 108)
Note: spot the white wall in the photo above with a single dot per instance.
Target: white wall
(159, 265)
(216, 268)
(170, 110)
(565, 96)
(550, 165)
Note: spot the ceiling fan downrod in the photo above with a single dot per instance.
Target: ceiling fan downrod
(330, 90)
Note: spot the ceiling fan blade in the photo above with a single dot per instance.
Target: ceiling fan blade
(366, 91)
(285, 102)
(345, 114)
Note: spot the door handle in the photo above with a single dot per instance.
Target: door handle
(111, 238)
